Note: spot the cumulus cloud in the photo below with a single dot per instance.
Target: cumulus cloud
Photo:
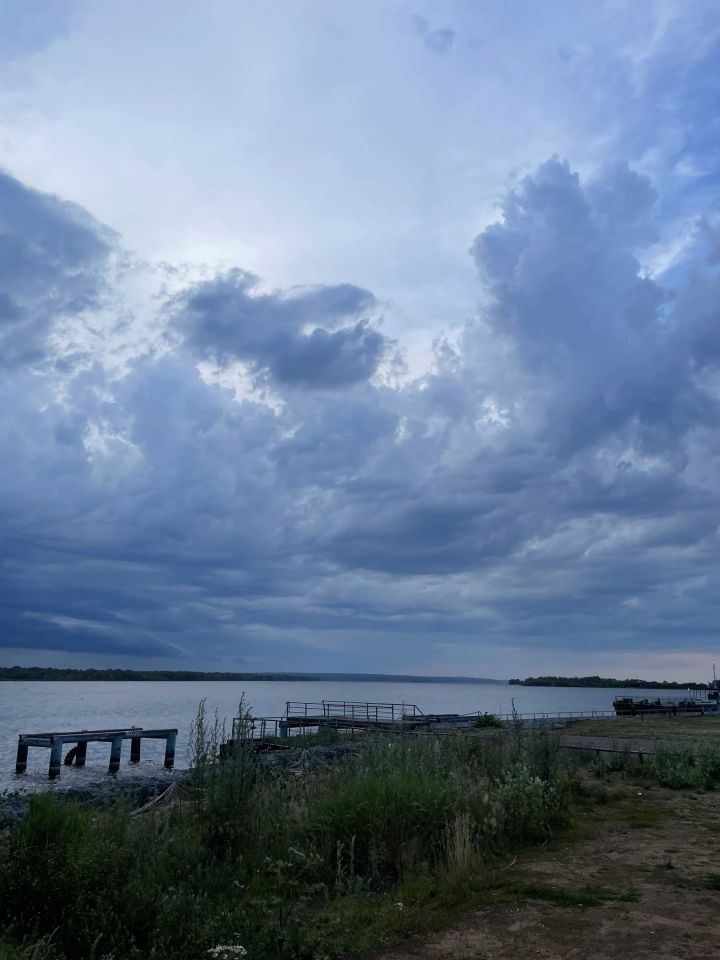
(53, 262)
(569, 292)
(551, 481)
(312, 337)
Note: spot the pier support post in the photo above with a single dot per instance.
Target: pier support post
(170, 751)
(81, 753)
(135, 750)
(55, 758)
(115, 752)
(22, 755)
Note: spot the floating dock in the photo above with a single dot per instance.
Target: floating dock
(81, 738)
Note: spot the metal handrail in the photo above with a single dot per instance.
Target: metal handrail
(342, 713)
(352, 709)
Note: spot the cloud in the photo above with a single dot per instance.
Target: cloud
(26, 28)
(297, 337)
(438, 40)
(550, 481)
(570, 294)
(54, 259)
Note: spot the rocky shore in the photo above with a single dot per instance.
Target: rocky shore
(140, 789)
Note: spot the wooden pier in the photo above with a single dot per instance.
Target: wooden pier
(81, 738)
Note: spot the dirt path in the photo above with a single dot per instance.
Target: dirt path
(655, 849)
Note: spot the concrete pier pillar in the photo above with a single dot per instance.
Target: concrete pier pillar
(81, 754)
(135, 750)
(115, 752)
(170, 751)
(55, 759)
(284, 728)
(22, 755)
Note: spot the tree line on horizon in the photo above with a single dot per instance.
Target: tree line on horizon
(71, 673)
(596, 681)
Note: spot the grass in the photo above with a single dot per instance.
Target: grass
(589, 896)
(659, 728)
(282, 860)
(646, 816)
(295, 860)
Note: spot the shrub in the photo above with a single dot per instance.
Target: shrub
(488, 720)
(678, 768)
(255, 851)
(390, 807)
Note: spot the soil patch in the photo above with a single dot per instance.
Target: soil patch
(639, 878)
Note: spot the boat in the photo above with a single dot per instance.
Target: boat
(696, 703)
(635, 706)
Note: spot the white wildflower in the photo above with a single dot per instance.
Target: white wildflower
(225, 951)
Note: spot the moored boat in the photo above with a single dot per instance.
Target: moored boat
(696, 702)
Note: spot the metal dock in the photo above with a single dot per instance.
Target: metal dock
(81, 738)
(346, 716)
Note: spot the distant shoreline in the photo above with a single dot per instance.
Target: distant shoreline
(607, 682)
(60, 674)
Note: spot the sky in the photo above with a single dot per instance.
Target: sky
(364, 336)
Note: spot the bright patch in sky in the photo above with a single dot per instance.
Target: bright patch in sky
(376, 337)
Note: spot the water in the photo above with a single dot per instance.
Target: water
(34, 706)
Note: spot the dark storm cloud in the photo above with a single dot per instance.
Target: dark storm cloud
(53, 261)
(296, 337)
(551, 481)
(569, 292)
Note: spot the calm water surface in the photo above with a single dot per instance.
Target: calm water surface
(34, 706)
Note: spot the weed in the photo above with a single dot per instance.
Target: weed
(257, 858)
(646, 815)
(589, 896)
(683, 767)
(488, 720)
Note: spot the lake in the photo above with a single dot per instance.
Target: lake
(34, 706)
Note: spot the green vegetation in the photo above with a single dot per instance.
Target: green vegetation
(607, 682)
(488, 720)
(696, 765)
(590, 896)
(294, 857)
(281, 858)
(678, 768)
(706, 728)
(59, 673)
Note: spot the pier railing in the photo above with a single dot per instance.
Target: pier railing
(353, 710)
(301, 718)
(344, 716)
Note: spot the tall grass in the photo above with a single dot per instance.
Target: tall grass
(254, 853)
(683, 767)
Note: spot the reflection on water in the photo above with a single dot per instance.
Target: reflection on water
(27, 706)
